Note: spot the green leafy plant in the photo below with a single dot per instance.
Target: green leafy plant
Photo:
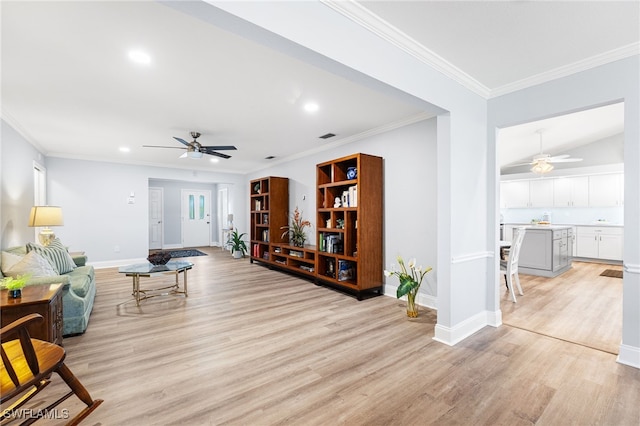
(295, 231)
(410, 277)
(237, 243)
(17, 283)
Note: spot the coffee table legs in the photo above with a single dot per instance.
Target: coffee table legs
(175, 288)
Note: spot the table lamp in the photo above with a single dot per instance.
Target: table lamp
(45, 216)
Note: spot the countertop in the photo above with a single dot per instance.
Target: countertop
(559, 225)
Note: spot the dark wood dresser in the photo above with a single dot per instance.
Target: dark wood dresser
(46, 300)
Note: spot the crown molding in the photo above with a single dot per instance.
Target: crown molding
(566, 70)
(367, 19)
(388, 32)
(12, 122)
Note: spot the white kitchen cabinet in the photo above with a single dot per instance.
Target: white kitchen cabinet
(526, 193)
(606, 190)
(541, 193)
(514, 194)
(599, 242)
(571, 191)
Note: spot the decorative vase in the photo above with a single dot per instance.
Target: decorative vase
(14, 294)
(298, 242)
(412, 306)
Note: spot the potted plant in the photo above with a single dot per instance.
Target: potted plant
(296, 233)
(238, 245)
(14, 285)
(410, 277)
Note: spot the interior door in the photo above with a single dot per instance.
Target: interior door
(156, 227)
(196, 218)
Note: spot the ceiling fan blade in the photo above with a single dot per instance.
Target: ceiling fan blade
(182, 141)
(565, 160)
(518, 165)
(158, 146)
(558, 157)
(217, 154)
(220, 148)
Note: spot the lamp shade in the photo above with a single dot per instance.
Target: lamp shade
(45, 216)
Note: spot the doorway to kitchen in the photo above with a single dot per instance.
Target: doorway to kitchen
(580, 305)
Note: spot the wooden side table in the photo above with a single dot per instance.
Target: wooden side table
(43, 299)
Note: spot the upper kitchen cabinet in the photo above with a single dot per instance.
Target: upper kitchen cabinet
(526, 193)
(606, 190)
(571, 192)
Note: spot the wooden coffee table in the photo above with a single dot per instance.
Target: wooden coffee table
(147, 270)
(43, 299)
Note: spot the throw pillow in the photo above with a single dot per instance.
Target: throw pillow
(32, 264)
(7, 260)
(56, 254)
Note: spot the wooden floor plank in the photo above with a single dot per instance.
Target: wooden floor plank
(251, 346)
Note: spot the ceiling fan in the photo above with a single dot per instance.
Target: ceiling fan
(543, 163)
(195, 150)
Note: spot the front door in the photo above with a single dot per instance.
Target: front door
(196, 218)
(155, 218)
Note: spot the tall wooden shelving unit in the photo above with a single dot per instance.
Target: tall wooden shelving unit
(349, 237)
(269, 204)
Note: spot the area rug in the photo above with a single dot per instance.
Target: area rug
(611, 273)
(186, 253)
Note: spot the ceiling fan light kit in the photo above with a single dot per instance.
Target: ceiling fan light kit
(541, 167)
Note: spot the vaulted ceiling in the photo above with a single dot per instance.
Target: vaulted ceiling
(69, 87)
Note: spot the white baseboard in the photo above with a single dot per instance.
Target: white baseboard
(425, 300)
(453, 335)
(172, 247)
(494, 319)
(629, 355)
(116, 263)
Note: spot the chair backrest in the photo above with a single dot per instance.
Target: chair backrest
(514, 253)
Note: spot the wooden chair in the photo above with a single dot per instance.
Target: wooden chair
(27, 365)
(510, 267)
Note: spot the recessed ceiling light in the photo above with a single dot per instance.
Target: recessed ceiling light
(124, 149)
(311, 107)
(214, 160)
(140, 57)
(270, 157)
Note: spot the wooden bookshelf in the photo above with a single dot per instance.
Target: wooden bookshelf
(300, 260)
(269, 204)
(349, 235)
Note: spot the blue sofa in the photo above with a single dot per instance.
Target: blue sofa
(78, 292)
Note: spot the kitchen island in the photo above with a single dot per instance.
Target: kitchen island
(547, 250)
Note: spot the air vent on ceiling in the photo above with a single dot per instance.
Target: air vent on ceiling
(327, 136)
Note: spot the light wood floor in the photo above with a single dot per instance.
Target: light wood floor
(250, 346)
(579, 306)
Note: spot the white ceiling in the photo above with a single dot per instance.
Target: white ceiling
(69, 87)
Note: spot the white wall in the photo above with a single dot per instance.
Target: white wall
(409, 194)
(17, 194)
(98, 218)
(599, 86)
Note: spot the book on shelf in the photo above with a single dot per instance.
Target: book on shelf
(353, 196)
(258, 205)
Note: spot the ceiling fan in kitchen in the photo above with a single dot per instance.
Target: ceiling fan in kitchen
(195, 149)
(543, 163)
